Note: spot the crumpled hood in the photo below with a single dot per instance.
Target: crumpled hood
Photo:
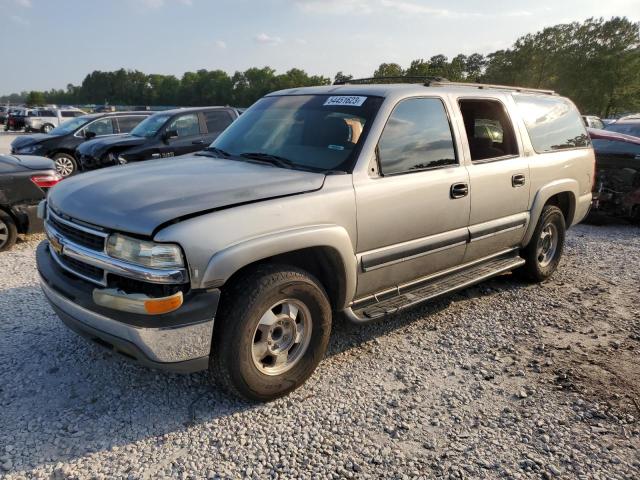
(138, 198)
(96, 147)
(25, 140)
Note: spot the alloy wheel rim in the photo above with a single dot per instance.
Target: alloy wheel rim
(547, 244)
(4, 233)
(64, 166)
(47, 129)
(281, 337)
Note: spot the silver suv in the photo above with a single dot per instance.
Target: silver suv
(356, 199)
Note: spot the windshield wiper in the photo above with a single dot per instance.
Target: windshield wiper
(218, 153)
(268, 158)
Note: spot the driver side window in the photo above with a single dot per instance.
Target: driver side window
(185, 125)
(104, 126)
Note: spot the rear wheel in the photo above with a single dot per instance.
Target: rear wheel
(8, 232)
(544, 251)
(47, 127)
(272, 331)
(65, 164)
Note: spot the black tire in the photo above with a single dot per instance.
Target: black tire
(538, 267)
(8, 232)
(65, 164)
(46, 128)
(242, 307)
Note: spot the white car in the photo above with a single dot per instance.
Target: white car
(45, 120)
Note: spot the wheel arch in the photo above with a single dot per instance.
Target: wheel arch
(561, 193)
(324, 251)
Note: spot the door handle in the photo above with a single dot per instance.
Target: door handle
(459, 190)
(197, 142)
(518, 180)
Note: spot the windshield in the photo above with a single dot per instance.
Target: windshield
(149, 126)
(317, 132)
(70, 125)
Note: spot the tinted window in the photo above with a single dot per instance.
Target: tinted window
(185, 125)
(489, 129)
(417, 136)
(217, 121)
(631, 128)
(68, 114)
(46, 113)
(104, 126)
(126, 124)
(553, 123)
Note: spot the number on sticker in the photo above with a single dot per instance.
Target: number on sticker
(345, 100)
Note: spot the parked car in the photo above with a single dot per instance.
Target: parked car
(46, 120)
(617, 187)
(16, 119)
(24, 181)
(628, 126)
(61, 142)
(592, 121)
(358, 199)
(164, 134)
(4, 111)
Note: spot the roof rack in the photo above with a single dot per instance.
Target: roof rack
(439, 81)
(426, 81)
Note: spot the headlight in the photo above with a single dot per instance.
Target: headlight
(28, 149)
(142, 252)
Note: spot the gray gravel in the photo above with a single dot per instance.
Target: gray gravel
(502, 380)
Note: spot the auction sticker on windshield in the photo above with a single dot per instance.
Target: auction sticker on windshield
(351, 101)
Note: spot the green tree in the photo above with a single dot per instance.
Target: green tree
(35, 99)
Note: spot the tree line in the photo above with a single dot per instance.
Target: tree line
(596, 63)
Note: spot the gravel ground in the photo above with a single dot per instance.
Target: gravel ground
(5, 140)
(501, 380)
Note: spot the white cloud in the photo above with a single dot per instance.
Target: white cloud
(221, 44)
(19, 20)
(265, 39)
(24, 3)
(335, 6)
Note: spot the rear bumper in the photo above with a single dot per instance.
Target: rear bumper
(179, 342)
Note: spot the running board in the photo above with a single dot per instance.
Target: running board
(392, 301)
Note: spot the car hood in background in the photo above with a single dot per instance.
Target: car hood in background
(29, 162)
(26, 140)
(97, 146)
(138, 198)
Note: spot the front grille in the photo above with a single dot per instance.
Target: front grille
(86, 239)
(82, 268)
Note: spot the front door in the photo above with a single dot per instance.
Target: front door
(190, 136)
(412, 214)
(498, 176)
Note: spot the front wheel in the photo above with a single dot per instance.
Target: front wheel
(8, 232)
(46, 128)
(65, 164)
(271, 333)
(542, 254)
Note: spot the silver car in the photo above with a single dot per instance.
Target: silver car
(356, 199)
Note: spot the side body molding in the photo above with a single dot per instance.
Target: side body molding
(543, 194)
(226, 262)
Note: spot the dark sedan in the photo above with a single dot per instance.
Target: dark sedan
(165, 134)
(24, 181)
(60, 144)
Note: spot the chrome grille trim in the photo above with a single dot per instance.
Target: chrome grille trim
(110, 265)
(77, 226)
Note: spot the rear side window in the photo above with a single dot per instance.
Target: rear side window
(46, 113)
(103, 126)
(126, 124)
(217, 120)
(416, 137)
(489, 129)
(553, 123)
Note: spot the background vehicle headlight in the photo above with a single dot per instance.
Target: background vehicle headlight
(28, 149)
(142, 252)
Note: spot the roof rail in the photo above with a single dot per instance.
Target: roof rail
(493, 87)
(426, 81)
(438, 81)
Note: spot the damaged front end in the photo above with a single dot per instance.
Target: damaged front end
(617, 186)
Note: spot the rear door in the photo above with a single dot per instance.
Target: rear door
(216, 122)
(498, 175)
(126, 123)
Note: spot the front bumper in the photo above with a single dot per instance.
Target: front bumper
(178, 341)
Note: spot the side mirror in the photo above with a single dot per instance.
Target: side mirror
(169, 134)
(88, 135)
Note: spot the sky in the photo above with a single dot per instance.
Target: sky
(49, 43)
